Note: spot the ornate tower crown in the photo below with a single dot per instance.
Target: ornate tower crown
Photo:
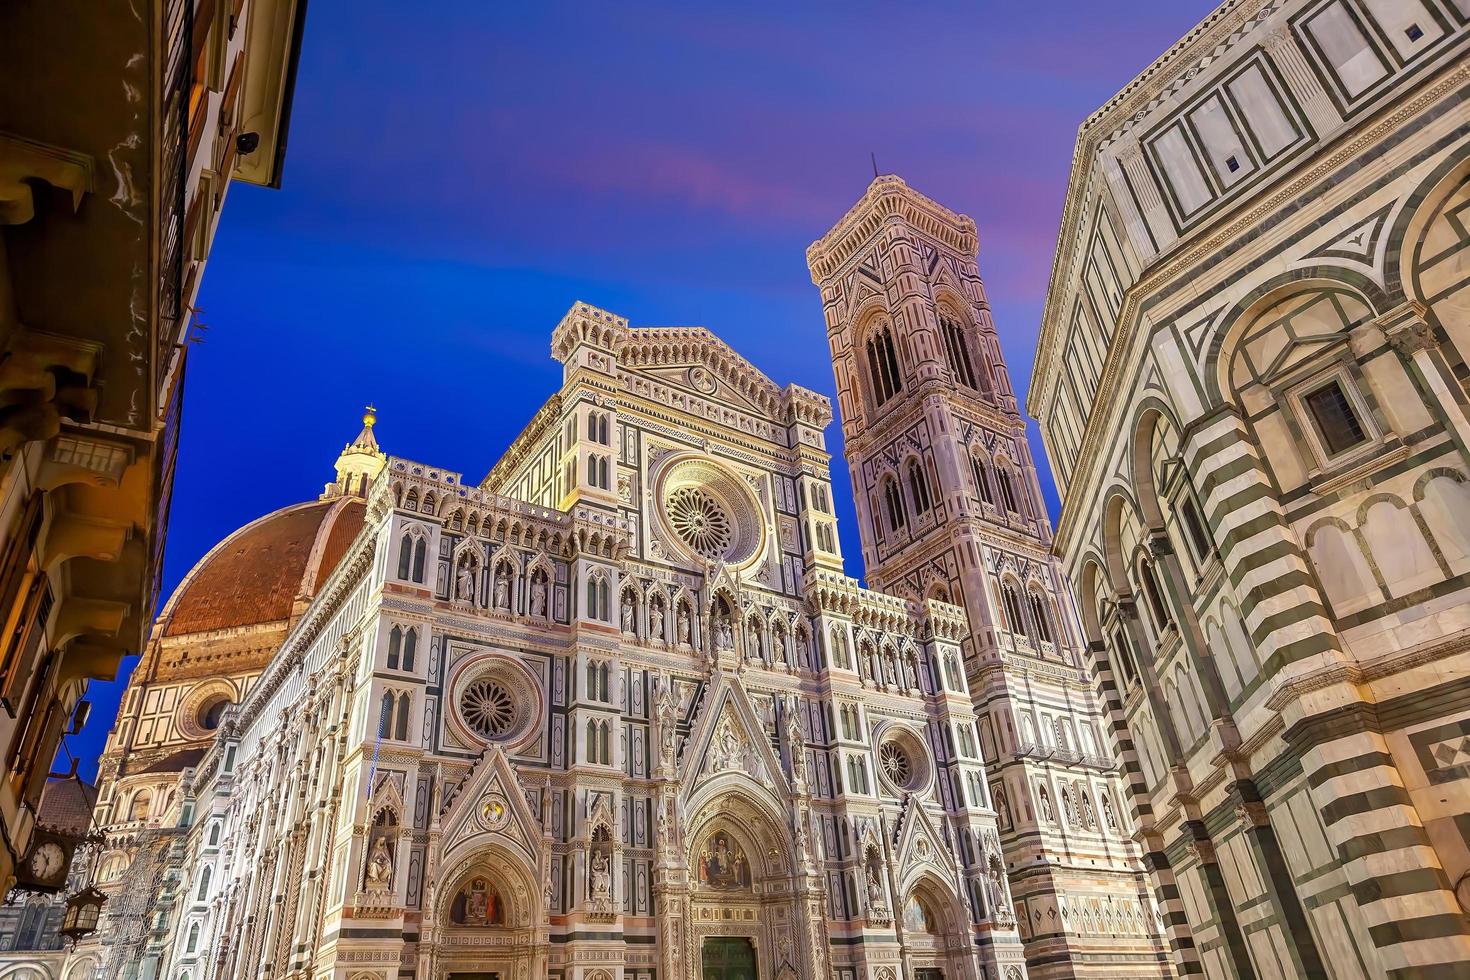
(360, 460)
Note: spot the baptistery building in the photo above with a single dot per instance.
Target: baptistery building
(1252, 383)
(616, 711)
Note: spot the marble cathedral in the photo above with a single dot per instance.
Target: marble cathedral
(617, 712)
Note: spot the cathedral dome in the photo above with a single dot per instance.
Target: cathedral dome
(257, 574)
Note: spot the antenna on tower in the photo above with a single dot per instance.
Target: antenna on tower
(874, 157)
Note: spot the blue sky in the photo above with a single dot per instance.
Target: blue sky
(459, 173)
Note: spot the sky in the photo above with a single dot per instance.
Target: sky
(459, 173)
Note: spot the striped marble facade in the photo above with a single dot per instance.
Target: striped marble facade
(1252, 385)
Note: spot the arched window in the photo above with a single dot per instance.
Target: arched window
(883, 365)
(591, 740)
(1199, 538)
(193, 943)
(982, 479)
(602, 471)
(955, 349)
(919, 487)
(602, 430)
(395, 647)
(410, 647)
(592, 427)
(592, 598)
(405, 556)
(1124, 653)
(603, 747)
(1151, 592)
(203, 892)
(603, 610)
(385, 716)
(1015, 619)
(592, 470)
(893, 499)
(401, 733)
(1007, 489)
(418, 561)
(1039, 617)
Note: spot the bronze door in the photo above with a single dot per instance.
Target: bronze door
(729, 959)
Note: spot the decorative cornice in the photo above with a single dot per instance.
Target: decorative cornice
(888, 197)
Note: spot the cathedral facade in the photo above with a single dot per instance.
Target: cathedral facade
(617, 712)
(1252, 382)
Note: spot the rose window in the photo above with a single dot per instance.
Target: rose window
(487, 708)
(895, 763)
(700, 521)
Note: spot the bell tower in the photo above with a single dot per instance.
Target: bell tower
(949, 507)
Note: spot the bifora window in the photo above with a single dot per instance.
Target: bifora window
(1335, 418)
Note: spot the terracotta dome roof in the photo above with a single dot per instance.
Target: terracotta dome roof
(255, 575)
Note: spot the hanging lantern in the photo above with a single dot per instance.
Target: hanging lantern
(82, 912)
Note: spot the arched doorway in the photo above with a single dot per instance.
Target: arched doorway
(745, 919)
(933, 922)
(484, 919)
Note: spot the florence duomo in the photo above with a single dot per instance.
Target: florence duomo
(593, 666)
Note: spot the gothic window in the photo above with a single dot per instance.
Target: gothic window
(401, 731)
(592, 427)
(193, 942)
(385, 716)
(1039, 617)
(1007, 489)
(395, 647)
(405, 556)
(1199, 539)
(602, 435)
(418, 560)
(982, 479)
(893, 499)
(919, 487)
(955, 348)
(410, 645)
(1124, 654)
(1150, 584)
(592, 470)
(602, 601)
(1015, 619)
(883, 365)
(203, 892)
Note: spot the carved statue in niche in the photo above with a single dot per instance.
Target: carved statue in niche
(477, 904)
(667, 711)
(465, 579)
(538, 596)
(778, 647)
(722, 864)
(724, 635)
(875, 887)
(601, 876)
(628, 624)
(728, 749)
(794, 741)
(1088, 816)
(502, 588)
(1046, 805)
(379, 877)
(1108, 814)
(683, 624)
(655, 620)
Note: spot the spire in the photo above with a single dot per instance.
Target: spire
(360, 461)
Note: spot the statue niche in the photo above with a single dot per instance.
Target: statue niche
(478, 903)
(722, 864)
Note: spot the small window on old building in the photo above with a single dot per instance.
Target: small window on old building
(1335, 418)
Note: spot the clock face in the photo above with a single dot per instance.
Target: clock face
(47, 861)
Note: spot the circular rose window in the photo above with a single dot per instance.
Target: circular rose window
(487, 708)
(699, 521)
(495, 699)
(903, 762)
(896, 765)
(710, 513)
